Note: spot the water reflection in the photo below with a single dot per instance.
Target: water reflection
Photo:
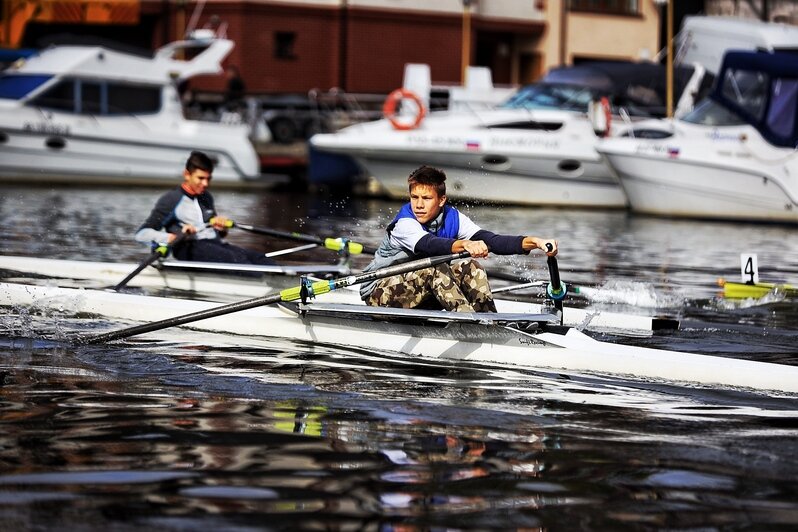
(186, 430)
(177, 434)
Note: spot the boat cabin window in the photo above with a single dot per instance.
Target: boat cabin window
(529, 125)
(90, 98)
(17, 86)
(550, 96)
(60, 96)
(133, 99)
(100, 98)
(747, 89)
(783, 104)
(710, 113)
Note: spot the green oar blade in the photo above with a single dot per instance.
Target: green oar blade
(734, 290)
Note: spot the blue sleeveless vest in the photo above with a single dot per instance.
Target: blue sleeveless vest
(449, 227)
(386, 255)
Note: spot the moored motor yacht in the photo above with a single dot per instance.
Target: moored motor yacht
(734, 157)
(537, 148)
(90, 114)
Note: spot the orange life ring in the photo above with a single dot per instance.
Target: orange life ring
(392, 101)
(605, 105)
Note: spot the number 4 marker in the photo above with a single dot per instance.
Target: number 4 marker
(749, 270)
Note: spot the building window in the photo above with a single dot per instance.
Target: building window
(617, 7)
(284, 44)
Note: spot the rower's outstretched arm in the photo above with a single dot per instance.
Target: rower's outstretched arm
(548, 245)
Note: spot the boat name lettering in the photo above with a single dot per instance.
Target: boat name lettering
(658, 149)
(436, 141)
(717, 135)
(46, 127)
(527, 341)
(525, 141)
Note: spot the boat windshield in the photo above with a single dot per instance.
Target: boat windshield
(551, 96)
(711, 113)
(747, 89)
(17, 86)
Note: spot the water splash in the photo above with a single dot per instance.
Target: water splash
(635, 294)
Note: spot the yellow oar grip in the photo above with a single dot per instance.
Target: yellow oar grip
(334, 244)
(337, 244)
(227, 223)
(294, 293)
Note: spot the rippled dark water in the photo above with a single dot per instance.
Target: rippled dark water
(186, 430)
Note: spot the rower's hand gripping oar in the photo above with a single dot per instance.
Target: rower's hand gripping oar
(556, 289)
(160, 251)
(335, 244)
(289, 294)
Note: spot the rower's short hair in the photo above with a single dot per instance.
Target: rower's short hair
(427, 175)
(199, 161)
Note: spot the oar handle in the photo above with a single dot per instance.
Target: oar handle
(556, 289)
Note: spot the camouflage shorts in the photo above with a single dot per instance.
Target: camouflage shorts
(459, 287)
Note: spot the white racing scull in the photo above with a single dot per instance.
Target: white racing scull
(534, 341)
(237, 280)
(204, 277)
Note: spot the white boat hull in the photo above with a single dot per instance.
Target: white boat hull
(557, 167)
(697, 186)
(732, 158)
(140, 158)
(531, 182)
(490, 343)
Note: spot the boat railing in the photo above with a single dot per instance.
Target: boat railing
(342, 109)
(297, 117)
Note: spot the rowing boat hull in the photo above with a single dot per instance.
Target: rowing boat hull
(474, 342)
(210, 278)
(201, 277)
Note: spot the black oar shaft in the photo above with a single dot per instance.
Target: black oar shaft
(146, 262)
(280, 234)
(290, 294)
(295, 236)
(554, 272)
(155, 255)
(180, 320)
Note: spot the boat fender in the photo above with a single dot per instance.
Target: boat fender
(601, 116)
(392, 101)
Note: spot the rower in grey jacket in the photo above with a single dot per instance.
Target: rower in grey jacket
(427, 226)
